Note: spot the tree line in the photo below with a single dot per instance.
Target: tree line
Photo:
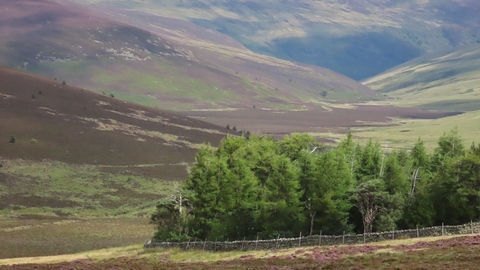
(262, 187)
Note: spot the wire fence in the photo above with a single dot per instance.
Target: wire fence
(319, 240)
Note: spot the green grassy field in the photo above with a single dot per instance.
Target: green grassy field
(409, 130)
(24, 235)
(404, 133)
(55, 188)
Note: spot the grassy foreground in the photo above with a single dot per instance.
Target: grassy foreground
(52, 208)
(426, 253)
(36, 235)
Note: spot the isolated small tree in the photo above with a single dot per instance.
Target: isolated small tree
(112, 95)
(64, 83)
(40, 92)
(369, 197)
(234, 128)
(228, 126)
(324, 93)
(12, 139)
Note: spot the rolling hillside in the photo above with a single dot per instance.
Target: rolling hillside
(157, 61)
(358, 38)
(68, 151)
(446, 80)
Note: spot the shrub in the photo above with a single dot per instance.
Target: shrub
(40, 92)
(33, 140)
(33, 96)
(13, 139)
(64, 83)
(234, 128)
(112, 95)
(228, 126)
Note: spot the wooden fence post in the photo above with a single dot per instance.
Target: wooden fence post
(393, 234)
(204, 243)
(442, 229)
(243, 242)
(300, 240)
(215, 246)
(418, 233)
(364, 236)
(256, 243)
(343, 238)
(276, 243)
(471, 226)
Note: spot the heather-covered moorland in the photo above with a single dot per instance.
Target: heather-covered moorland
(433, 253)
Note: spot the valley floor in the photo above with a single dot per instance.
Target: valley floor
(328, 123)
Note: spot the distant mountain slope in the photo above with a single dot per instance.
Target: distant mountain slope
(358, 38)
(447, 80)
(157, 61)
(58, 122)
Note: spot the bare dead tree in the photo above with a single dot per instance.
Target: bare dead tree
(413, 184)
(311, 213)
(383, 160)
